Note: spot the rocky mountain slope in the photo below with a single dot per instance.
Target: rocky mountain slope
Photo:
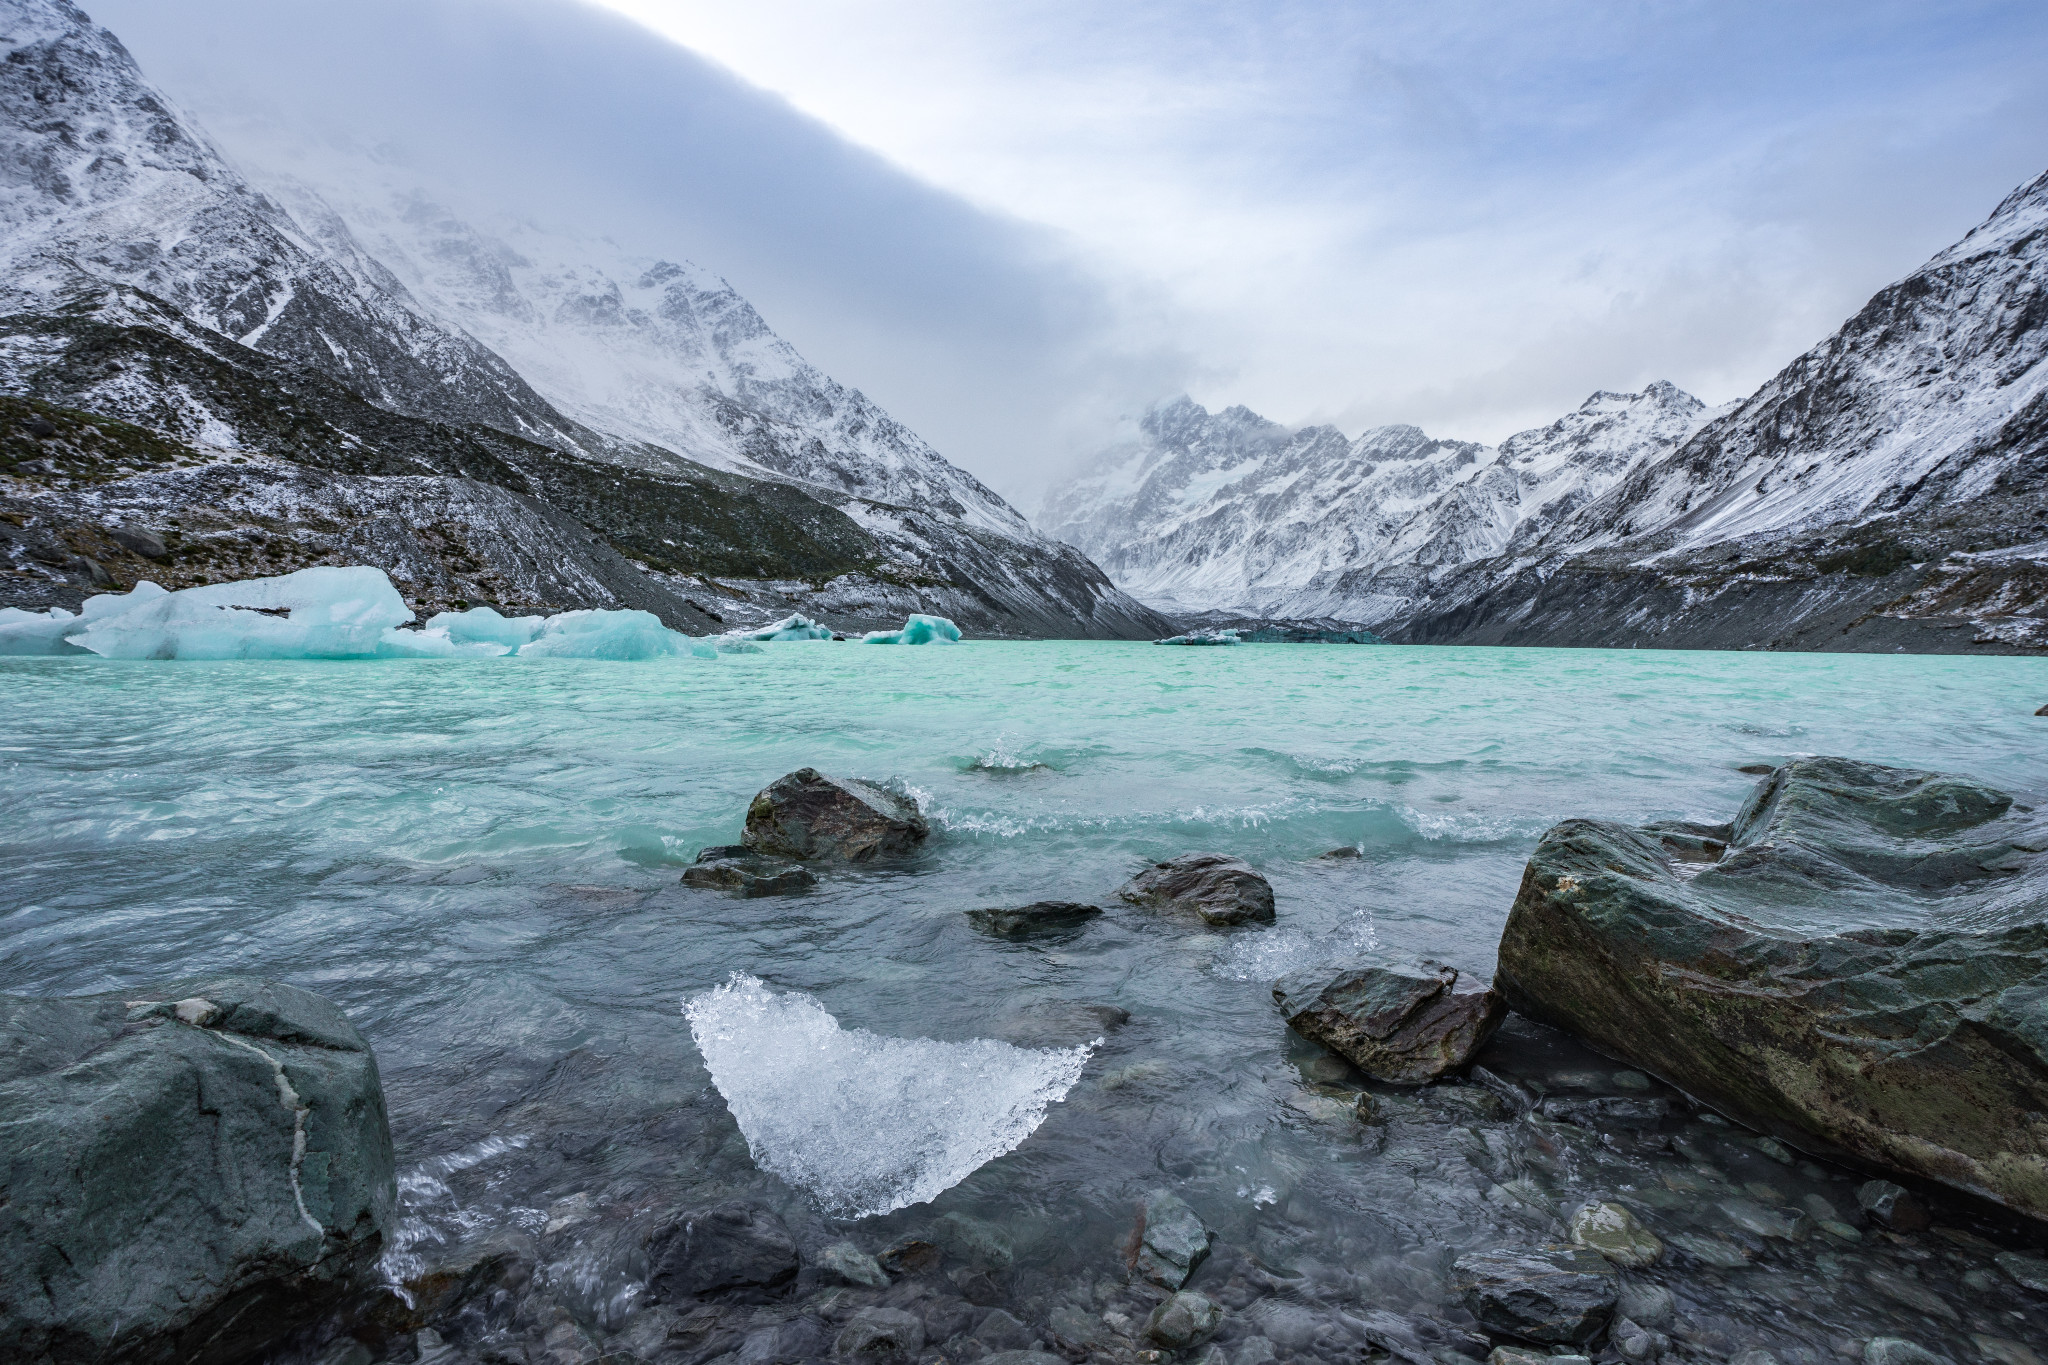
(146, 279)
(1230, 511)
(1886, 490)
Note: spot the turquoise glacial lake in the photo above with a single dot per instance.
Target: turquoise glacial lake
(480, 861)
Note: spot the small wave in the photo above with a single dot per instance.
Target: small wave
(429, 1213)
(1274, 953)
(1472, 827)
(1000, 759)
(864, 1123)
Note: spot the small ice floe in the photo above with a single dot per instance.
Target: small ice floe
(917, 630)
(861, 1122)
(1203, 637)
(324, 613)
(792, 627)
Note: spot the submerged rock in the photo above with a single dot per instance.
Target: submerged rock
(1560, 1296)
(880, 1331)
(735, 867)
(1182, 1321)
(727, 1246)
(1617, 1234)
(1221, 889)
(1398, 1020)
(808, 815)
(1033, 920)
(1168, 1241)
(848, 1263)
(1856, 909)
(188, 1174)
(1891, 1205)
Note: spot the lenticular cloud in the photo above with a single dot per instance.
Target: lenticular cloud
(863, 1123)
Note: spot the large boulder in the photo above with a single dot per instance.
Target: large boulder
(1857, 965)
(1221, 889)
(1402, 1020)
(809, 815)
(185, 1174)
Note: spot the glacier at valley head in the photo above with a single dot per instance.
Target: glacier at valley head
(325, 613)
(918, 629)
(861, 1122)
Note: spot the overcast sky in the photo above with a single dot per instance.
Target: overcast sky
(1014, 222)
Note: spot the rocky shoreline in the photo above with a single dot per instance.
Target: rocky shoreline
(1760, 1150)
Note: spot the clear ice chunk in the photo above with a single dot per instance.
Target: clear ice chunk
(791, 627)
(917, 630)
(861, 1122)
(624, 635)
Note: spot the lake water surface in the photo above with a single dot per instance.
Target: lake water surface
(479, 861)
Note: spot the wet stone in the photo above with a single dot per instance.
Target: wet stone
(2029, 1271)
(736, 868)
(847, 1262)
(1182, 1321)
(1400, 1020)
(1754, 1217)
(1617, 1234)
(1022, 1358)
(1892, 1205)
(734, 1245)
(982, 1245)
(1000, 1331)
(1218, 888)
(809, 815)
(1168, 1241)
(1038, 919)
(1556, 1295)
(1897, 1351)
(880, 1332)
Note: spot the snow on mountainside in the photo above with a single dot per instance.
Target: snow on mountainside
(1231, 511)
(1886, 490)
(143, 277)
(103, 182)
(658, 351)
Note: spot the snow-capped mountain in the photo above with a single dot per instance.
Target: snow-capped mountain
(144, 277)
(1230, 511)
(1889, 484)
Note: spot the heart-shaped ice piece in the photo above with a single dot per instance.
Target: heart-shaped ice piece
(864, 1123)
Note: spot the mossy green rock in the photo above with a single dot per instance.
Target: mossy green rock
(1857, 964)
(188, 1174)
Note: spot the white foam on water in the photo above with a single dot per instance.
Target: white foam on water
(861, 1122)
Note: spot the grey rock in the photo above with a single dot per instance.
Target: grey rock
(1891, 1205)
(1556, 1295)
(1616, 1233)
(1075, 1326)
(734, 1245)
(1516, 1355)
(134, 539)
(1256, 1350)
(1222, 890)
(1651, 1305)
(726, 868)
(1022, 1358)
(1036, 920)
(1288, 1326)
(1168, 1241)
(808, 815)
(999, 1331)
(2031, 1271)
(800, 1338)
(1896, 1351)
(978, 1242)
(1400, 1020)
(1754, 1356)
(189, 1172)
(880, 1332)
(1344, 854)
(1184, 1320)
(1855, 905)
(846, 1262)
(908, 1256)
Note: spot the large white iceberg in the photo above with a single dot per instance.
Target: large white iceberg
(325, 613)
(861, 1122)
(917, 630)
(792, 627)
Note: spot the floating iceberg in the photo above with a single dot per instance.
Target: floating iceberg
(918, 630)
(863, 1123)
(325, 613)
(1203, 637)
(791, 627)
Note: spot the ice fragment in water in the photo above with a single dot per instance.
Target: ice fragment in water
(631, 635)
(792, 627)
(917, 630)
(861, 1122)
(323, 613)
